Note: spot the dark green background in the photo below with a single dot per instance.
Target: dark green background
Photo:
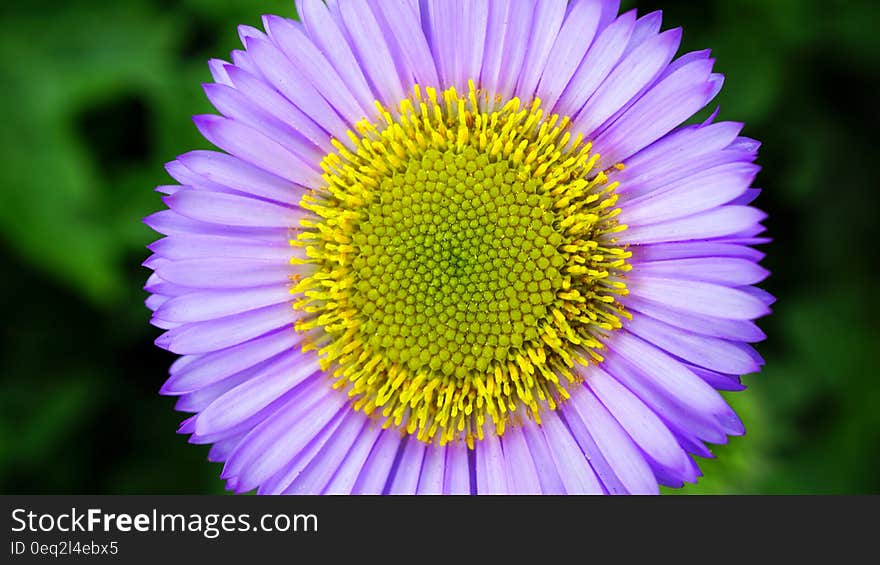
(97, 95)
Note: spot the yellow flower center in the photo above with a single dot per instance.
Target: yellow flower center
(463, 261)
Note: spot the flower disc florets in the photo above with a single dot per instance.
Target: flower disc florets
(464, 261)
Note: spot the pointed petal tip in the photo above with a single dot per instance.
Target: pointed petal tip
(167, 389)
(164, 341)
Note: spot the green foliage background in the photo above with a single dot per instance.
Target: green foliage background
(96, 95)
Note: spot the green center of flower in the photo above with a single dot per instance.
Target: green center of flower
(464, 262)
(457, 262)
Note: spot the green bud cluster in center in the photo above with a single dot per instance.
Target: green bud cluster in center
(456, 263)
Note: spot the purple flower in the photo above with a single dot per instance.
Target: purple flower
(460, 247)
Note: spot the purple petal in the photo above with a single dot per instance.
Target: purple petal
(246, 32)
(230, 209)
(679, 155)
(679, 417)
(759, 294)
(191, 180)
(616, 448)
(630, 78)
(155, 301)
(290, 37)
(694, 249)
(324, 31)
(431, 477)
(610, 10)
(457, 473)
(194, 246)
(709, 352)
(736, 330)
(372, 51)
(168, 189)
(676, 380)
(169, 222)
(243, 61)
(601, 58)
(198, 400)
(497, 27)
(280, 437)
(729, 271)
(236, 106)
(515, 32)
(204, 337)
(406, 480)
(640, 422)
(277, 483)
(551, 482)
(646, 27)
(320, 471)
(458, 36)
(289, 81)
(402, 22)
(663, 107)
(522, 476)
(262, 94)
(686, 59)
(571, 45)
(248, 400)
(226, 170)
(575, 472)
(209, 305)
(698, 297)
(491, 474)
(718, 381)
(546, 23)
(156, 285)
(218, 71)
(376, 470)
(698, 193)
(226, 273)
(717, 223)
(205, 370)
(349, 470)
(252, 146)
(221, 450)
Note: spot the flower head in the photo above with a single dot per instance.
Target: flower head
(460, 247)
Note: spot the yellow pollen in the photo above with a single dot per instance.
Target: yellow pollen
(462, 262)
